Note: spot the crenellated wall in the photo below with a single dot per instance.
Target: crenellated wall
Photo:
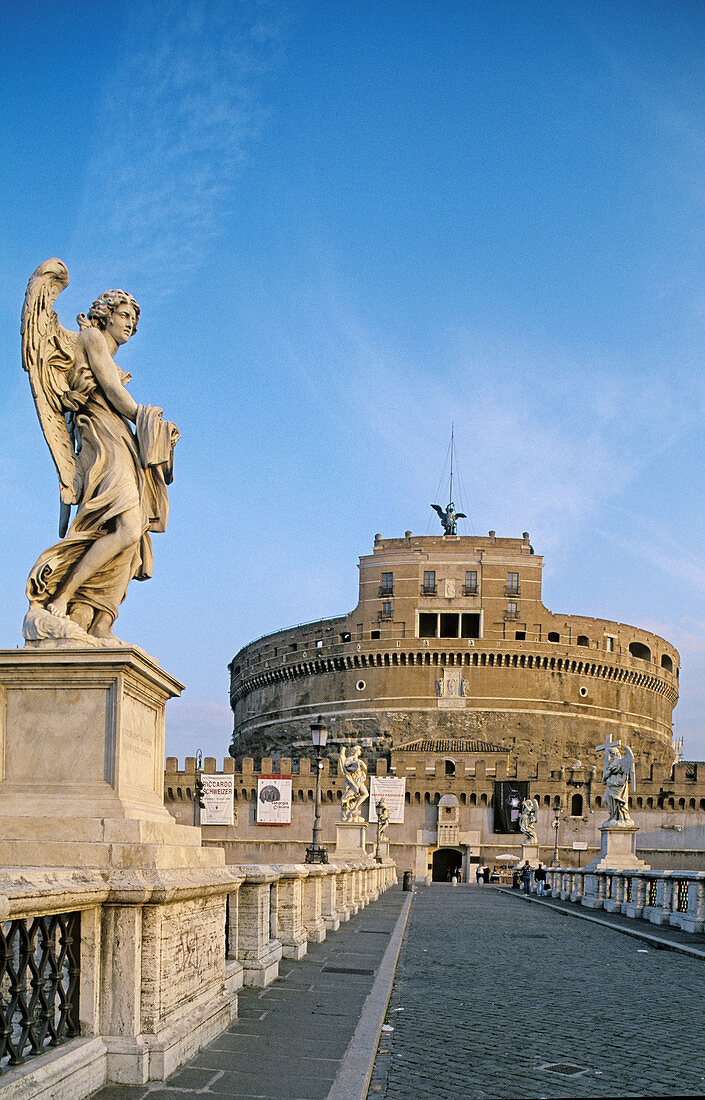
(668, 805)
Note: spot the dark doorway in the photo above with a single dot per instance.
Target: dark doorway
(445, 861)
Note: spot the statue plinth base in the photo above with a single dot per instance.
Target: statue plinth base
(530, 853)
(82, 762)
(618, 852)
(349, 840)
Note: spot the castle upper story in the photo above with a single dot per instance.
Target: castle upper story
(447, 591)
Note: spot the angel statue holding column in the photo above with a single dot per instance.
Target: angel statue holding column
(617, 775)
(114, 459)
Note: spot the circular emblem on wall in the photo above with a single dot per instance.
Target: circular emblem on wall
(270, 793)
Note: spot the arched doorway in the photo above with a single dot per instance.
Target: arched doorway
(445, 861)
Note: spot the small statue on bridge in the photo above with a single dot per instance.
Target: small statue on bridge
(529, 819)
(355, 792)
(449, 518)
(617, 775)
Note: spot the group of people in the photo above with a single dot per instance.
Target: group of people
(521, 876)
(486, 874)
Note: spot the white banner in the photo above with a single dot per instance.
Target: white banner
(218, 798)
(273, 800)
(392, 791)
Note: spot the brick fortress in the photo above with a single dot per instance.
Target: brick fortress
(452, 673)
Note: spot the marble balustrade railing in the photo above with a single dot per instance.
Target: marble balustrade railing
(136, 929)
(676, 898)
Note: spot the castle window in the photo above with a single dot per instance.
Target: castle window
(429, 582)
(470, 588)
(576, 805)
(511, 610)
(520, 635)
(553, 636)
(374, 635)
(449, 624)
(470, 625)
(386, 612)
(512, 584)
(640, 651)
(345, 636)
(583, 640)
(666, 662)
(609, 643)
(450, 767)
(386, 588)
(428, 624)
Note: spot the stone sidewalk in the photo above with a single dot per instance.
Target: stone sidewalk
(311, 1031)
(498, 997)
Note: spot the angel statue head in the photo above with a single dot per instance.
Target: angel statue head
(105, 307)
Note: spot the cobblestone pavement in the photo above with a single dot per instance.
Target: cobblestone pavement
(490, 992)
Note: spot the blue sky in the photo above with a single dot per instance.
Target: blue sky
(348, 225)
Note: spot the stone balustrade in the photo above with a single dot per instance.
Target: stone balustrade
(675, 898)
(145, 962)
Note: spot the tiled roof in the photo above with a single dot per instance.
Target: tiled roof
(448, 744)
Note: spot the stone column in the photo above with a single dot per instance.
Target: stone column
(258, 952)
(329, 899)
(314, 923)
(635, 907)
(290, 908)
(694, 919)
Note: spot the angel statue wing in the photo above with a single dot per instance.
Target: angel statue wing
(628, 766)
(440, 511)
(48, 356)
(535, 804)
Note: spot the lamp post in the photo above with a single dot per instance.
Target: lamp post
(198, 789)
(555, 823)
(316, 852)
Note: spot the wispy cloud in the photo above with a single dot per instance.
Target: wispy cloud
(178, 119)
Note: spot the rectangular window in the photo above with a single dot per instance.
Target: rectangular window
(470, 582)
(387, 609)
(374, 635)
(470, 625)
(449, 624)
(609, 643)
(429, 581)
(387, 585)
(428, 624)
(513, 582)
(512, 609)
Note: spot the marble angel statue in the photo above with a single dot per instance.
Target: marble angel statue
(355, 792)
(617, 774)
(528, 819)
(114, 459)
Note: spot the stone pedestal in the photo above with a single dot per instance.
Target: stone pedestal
(530, 853)
(82, 762)
(349, 841)
(383, 849)
(618, 852)
(81, 788)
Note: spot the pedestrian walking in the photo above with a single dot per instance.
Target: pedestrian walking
(526, 877)
(540, 877)
(478, 874)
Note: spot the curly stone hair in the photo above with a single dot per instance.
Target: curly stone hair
(103, 308)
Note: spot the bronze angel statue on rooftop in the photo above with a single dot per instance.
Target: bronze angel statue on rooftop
(114, 474)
